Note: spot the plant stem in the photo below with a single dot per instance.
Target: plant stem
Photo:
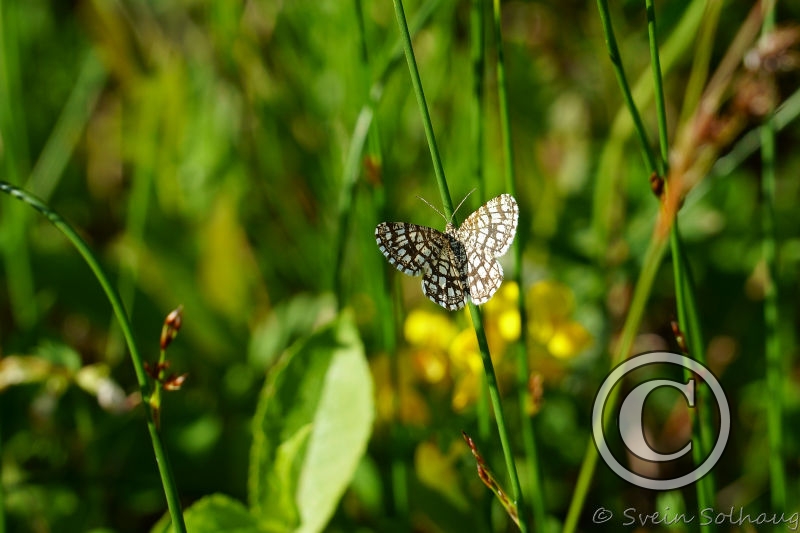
(684, 287)
(608, 178)
(658, 84)
(523, 373)
(477, 322)
(494, 396)
(652, 261)
(478, 60)
(619, 71)
(416, 82)
(170, 489)
(478, 55)
(690, 329)
(16, 162)
(775, 372)
(365, 131)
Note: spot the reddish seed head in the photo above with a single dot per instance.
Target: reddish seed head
(174, 382)
(171, 326)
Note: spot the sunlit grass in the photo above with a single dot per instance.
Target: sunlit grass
(235, 158)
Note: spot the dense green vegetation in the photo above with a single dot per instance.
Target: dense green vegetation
(234, 158)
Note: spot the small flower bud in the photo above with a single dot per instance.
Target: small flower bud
(171, 326)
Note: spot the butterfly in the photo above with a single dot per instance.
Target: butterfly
(457, 265)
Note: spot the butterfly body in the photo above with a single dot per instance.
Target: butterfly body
(458, 264)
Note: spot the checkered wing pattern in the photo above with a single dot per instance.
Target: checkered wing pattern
(445, 282)
(456, 265)
(409, 247)
(486, 234)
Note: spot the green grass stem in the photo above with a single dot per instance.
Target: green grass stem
(690, 328)
(365, 131)
(619, 72)
(494, 395)
(494, 392)
(167, 479)
(477, 43)
(478, 61)
(655, 252)
(641, 293)
(608, 176)
(536, 490)
(416, 83)
(366, 137)
(701, 59)
(774, 356)
(684, 286)
(16, 163)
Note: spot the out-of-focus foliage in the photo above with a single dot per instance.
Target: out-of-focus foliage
(199, 147)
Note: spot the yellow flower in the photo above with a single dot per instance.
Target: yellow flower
(445, 356)
(502, 312)
(550, 325)
(467, 369)
(424, 329)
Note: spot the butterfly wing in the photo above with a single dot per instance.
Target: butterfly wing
(409, 247)
(416, 250)
(445, 282)
(486, 234)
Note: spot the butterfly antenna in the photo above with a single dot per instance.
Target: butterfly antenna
(462, 202)
(454, 212)
(433, 207)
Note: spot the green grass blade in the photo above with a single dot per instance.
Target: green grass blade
(641, 293)
(170, 489)
(684, 287)
(416, 82)
(523, 368)
(15, 166)
(477, 322)
(774, 356)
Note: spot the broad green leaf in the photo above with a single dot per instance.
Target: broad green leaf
(216, 513)
(311, 429)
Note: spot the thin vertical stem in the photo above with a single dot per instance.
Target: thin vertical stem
(416, 82)
(641, 292)
(494, 395)
(658, 83)
(772, 347)
(16, 162)
(478, 54)
(684, 288)
(619, 71)
(167, 479)
(477, 321)
(523, 368)
(478, 59)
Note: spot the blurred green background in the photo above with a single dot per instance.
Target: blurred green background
(200, 148)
